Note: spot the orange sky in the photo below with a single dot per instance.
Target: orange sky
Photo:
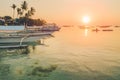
(101, 12)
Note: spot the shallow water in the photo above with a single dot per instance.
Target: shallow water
(83, 54)
(79, 54)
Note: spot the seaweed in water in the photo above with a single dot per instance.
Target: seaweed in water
(43, 72)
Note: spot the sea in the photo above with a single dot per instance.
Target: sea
(70, 54)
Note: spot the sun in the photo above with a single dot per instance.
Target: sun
(86, 19)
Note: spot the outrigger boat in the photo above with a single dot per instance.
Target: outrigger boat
(12, 42)
(21, 38)
(27, 37)
(107, 26)
(46, 27)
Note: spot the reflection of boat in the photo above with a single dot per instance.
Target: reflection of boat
(107, 30)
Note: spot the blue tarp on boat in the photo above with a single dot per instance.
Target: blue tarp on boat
(11, 27)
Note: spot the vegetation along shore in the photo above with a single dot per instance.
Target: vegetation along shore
(24, 16)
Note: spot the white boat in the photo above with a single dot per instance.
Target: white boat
(11, 29)
(19, 35)
(46, 27)
(28, 37)
(21, 41)
(12, 38)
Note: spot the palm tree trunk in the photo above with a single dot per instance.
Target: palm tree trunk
(22, 12)
(17, 15)
(13, 13)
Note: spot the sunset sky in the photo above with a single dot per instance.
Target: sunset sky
(101, 12)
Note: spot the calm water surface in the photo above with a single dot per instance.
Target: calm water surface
(80, 54)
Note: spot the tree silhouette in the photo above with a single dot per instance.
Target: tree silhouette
(14, 7)
(23, 16)
(18, 11)
(32, 10)
(24, 6)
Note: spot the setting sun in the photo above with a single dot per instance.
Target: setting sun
(86, 19)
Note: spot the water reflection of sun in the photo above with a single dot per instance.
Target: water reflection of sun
(86, 32)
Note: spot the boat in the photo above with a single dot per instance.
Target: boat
(46, 27)
(104, 26)
(11, 29)
(50, 27)
(10, 37)
(117, 26)
(107, 30)
(30, 37)
(20, 41)
(96, 30)
(14, 47)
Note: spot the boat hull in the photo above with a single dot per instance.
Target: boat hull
(21, 40)
(107, 30)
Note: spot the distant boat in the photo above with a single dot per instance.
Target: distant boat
(107, 30)
(47, 27)
(67, 26)
(104, 26)
(117, 26)
(84, 27)
(96, 30)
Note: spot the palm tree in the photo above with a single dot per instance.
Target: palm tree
(14, 7)
(24, 6)
(32, 10)
(21, 13)
(18, 11)
(29, 13)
